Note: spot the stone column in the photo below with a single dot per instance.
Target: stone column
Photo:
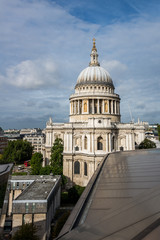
(103, 106)
(115, 107)
(107, 150)
(83, 142)
(75, 107)
(127, 143)
(87, 106)
(92, 106)
(131, 145)
(50, 138)
(111, 106)
(98, 106)
(88, 143)
(133, 141)
(93, 147)
(70, 108)
(82, 106)
(68, 142)
(109, 141)
(78, 107)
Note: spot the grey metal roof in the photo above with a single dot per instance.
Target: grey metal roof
(39, 189)
(5, 168)
(122, 200)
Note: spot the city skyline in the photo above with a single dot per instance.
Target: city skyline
(46, 44)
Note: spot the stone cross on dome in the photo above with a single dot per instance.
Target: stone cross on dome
(94, 44)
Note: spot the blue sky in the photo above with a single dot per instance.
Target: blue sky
(45, 44)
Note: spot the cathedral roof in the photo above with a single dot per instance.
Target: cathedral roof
(94, 74)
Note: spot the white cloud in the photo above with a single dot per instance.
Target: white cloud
(44, 47)
(115, 68)
(32, 74)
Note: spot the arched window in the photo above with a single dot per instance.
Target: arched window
(85, 168)
(85, 142)
(99, 143)
(76, 167)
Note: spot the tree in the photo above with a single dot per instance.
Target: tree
(17, 151)
(57, 159)
(25, 232)
(158, 129)
(36, 163)
(74, 193)
(56, 153)
(46, 170)
(146, 143)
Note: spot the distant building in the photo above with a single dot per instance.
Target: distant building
(30, 131)
(37, 142)
(11, 131)
(3, 143)
(34, 199)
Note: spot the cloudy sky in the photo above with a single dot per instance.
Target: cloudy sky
(45, 44)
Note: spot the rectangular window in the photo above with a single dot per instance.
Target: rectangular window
(33, 207)
(26, 207)
(14, 184)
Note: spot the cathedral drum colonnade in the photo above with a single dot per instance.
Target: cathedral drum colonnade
(94, 127)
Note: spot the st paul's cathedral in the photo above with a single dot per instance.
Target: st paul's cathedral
(94, 128)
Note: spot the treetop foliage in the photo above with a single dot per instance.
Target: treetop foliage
(17, 151)
(146, 143)
(56, 152)
(25, 232)
(36, 163)
(158, 129)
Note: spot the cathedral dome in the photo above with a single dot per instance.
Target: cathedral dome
(94, 74)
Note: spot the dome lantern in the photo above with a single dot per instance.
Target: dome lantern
(94, 55)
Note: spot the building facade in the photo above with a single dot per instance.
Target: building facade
(3, 143)
(33, 199)
(94, 127)
(37, 142)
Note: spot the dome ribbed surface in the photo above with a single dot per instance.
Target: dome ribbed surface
(94, 75)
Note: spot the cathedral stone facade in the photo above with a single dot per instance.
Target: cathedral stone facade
(94, 127)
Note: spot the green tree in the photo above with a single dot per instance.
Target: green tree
(25, 232)
(17, 151)
(57, 159)
(74, 193)
(36, 163)
(46, 170)
(158, 129)
(146, 143)
(56, 153)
